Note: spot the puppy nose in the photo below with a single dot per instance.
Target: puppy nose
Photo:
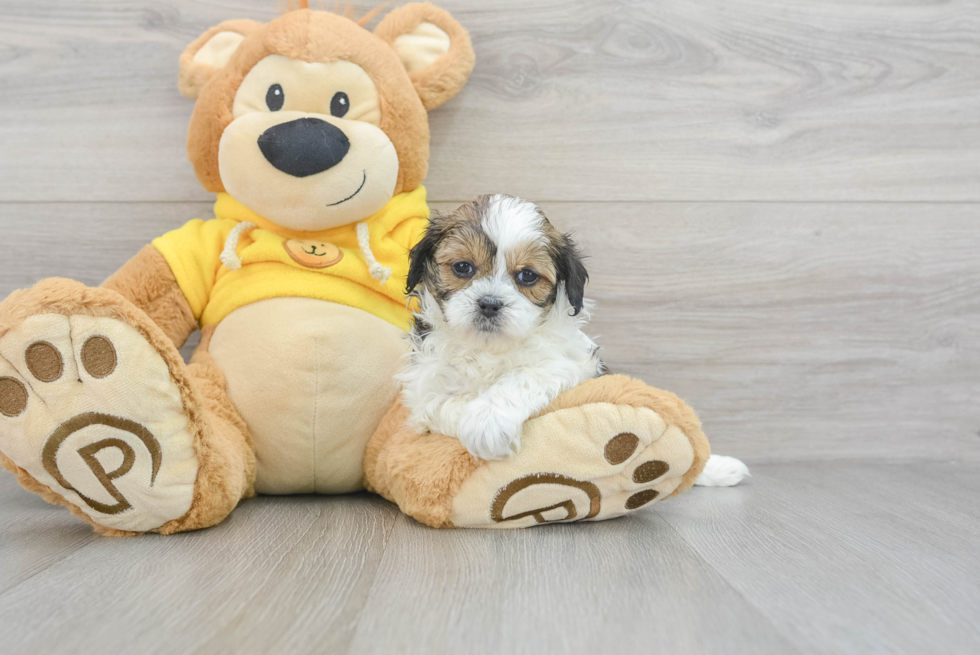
(489, 306)
(305, 146)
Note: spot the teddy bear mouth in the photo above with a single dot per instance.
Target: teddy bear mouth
(363, 181)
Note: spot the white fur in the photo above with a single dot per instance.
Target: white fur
(481, 390)
(722, 471)
(479, 386)
(510, 222)
(518, 315)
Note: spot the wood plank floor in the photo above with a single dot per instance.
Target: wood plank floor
(781, 200)
(815, 557)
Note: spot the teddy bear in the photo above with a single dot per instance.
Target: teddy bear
(313, 133)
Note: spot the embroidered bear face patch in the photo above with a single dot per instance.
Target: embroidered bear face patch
(313, 254)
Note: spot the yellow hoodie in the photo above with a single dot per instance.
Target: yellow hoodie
(262, 260)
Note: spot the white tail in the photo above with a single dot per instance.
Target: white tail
(722, 471)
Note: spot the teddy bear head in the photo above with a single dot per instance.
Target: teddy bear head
(311, 120)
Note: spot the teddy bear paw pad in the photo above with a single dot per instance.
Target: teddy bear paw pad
(89, 408)
(592, 462)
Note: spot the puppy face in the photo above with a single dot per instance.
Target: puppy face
(496, 267)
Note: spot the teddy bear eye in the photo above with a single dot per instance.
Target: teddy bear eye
(274, 98)
(339, 104)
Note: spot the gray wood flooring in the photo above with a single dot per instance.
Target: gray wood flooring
(818, 557)
(781, 200)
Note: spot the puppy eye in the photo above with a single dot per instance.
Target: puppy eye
(463, 269)
(274, 98)
(527, 277)
(339, 105)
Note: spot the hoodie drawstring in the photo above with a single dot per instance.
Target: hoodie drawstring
(377, 271)
(229, 256)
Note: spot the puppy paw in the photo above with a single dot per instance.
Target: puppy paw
(489, 431)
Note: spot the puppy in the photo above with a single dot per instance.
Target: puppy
(498, 334)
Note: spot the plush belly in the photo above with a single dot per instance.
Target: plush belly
(312, 379)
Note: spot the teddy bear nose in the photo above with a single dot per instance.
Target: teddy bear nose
(305, 146)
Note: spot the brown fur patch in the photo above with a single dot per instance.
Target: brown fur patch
(194, 75)
(318, 36)
(466, 243)
(422, 473)
(539, 258)
(315, 36)
(441, 80)
(461, 236)
(147, 281)
(451, 238)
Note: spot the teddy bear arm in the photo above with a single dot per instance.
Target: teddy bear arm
(147, 281)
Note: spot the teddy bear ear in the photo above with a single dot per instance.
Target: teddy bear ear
(209, 53)
(435, 50)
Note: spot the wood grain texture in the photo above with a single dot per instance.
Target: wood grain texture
(823, 317)
(34, 535)
(280, 575)
(619, 586)
(581, 100)
(796, 330)
(848, 557)
(83, 241)
(815, 557)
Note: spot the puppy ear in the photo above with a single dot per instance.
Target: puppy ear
(423, 254)
(209, 53)
(571, 271)
(435, 50)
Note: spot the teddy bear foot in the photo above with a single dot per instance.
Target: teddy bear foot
(607, 447)
(622, 458)
(90, 410)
